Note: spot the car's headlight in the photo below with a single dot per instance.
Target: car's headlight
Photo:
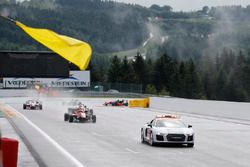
(190, 134)
(159, 133)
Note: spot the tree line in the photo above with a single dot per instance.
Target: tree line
(225, 77)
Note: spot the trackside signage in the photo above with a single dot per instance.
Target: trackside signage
(76, 79)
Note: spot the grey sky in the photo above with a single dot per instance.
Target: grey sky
(188, 5)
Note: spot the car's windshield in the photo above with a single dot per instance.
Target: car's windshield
(170, 124)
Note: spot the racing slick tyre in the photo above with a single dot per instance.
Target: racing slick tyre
(151, 140)
(94, 118)
(66, 116)
(142, 137)
(71, 118)
(190, 145)
(24, 106)
(91, 111)
(40, 107)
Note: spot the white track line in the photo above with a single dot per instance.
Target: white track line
(59, 147)
(109, 135)
(132, 151)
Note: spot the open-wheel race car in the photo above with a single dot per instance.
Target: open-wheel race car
(33, 105)
(116, 103)
(80, 114)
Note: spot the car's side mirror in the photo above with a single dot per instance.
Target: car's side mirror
(190, 126)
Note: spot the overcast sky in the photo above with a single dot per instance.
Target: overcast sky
(188, 5)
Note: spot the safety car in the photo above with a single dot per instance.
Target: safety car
(167, 129)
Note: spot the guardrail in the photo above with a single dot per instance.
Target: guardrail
(34, 93)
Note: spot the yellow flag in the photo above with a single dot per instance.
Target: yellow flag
(73, 50)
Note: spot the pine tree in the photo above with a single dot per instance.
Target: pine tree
(192, 81)
(163, 73)
(127, 73)
(114, 73)
(220, 85)
(140, 70)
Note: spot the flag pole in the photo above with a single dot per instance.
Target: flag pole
(8, 19)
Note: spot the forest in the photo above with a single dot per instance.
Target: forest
(226, 78)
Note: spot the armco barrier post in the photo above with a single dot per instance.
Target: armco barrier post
(10, 152)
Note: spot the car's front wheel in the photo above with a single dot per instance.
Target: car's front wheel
(142, 136)
(91, 111)
(93, 118)
(151, 140)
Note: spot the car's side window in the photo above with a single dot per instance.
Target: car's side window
(153, 122)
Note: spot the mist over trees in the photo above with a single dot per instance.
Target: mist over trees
(226, 78)
(200, 54)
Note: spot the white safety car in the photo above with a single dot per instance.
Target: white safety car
(167, 129)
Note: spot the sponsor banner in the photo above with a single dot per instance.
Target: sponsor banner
(76, 79)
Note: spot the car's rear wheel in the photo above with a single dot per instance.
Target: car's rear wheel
(66, 117)
(190, 144)
(94, 118)
(24, 106)
(71, 118)
(41, 107)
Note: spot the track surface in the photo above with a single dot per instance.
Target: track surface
(115, 139)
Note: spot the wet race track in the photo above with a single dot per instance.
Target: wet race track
(221, 138)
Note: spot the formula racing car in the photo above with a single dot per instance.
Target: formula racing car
(80, 114)
(33, 105)
(117, 103)
(167, 129)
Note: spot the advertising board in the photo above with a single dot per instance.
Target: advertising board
(76, 79)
